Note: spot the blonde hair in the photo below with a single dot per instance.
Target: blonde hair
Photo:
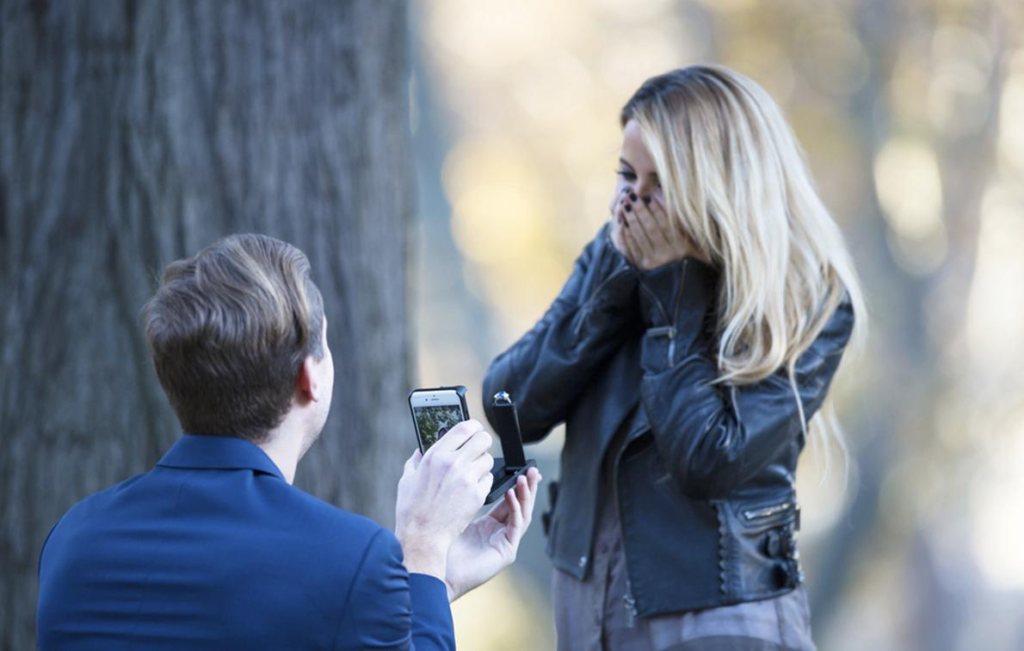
(732, 172)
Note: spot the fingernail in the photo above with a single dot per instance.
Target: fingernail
(647, 200)
(632, 196)
(629, 207)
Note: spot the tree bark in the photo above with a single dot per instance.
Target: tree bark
(133, 133)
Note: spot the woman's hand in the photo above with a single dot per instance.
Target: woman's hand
(489, 544)
(645, 234)
(618, 223)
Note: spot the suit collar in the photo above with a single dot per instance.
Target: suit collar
(218, 453)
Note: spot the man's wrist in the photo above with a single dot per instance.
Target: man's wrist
(424, 555)
(453, 591)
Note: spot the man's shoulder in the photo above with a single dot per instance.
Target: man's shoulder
(270, 503)
(100, 499)
(321, 514)
(80, 516)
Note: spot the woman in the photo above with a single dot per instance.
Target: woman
(695, 339)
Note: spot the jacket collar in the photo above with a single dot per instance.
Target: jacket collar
(218, 453)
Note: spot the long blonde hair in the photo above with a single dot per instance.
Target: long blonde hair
(732, 172)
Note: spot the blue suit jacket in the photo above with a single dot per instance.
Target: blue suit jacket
(213, 549)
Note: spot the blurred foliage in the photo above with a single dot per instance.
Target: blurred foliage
(912, 117)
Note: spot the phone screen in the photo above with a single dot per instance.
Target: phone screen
(434, 421)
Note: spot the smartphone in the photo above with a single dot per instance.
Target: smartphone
(435, 411)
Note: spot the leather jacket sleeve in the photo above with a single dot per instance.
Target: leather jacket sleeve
(713, 436)
(547, 368)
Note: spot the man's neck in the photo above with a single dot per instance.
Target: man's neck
(284, 447)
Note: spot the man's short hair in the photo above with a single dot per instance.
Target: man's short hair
(228, 330)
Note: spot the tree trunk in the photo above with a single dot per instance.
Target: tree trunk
(136, 132)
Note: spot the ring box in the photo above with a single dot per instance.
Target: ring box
(507, 469)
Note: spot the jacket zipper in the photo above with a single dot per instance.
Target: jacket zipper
(630, 609)
(627, 599)
(755, 514)
(679, 306)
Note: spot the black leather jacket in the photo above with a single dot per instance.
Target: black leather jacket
(705, 481)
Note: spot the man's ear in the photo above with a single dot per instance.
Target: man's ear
(306, 385)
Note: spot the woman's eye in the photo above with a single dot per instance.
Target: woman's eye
(627, 175)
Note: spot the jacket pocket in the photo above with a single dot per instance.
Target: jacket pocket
(766, 531)
(769, 513)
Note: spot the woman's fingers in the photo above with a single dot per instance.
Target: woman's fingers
(667, 227)
(617, 199)
(677, 238)
(639, 232)
(633, 251)
(657, 237)
(652, 226)
(618, 225)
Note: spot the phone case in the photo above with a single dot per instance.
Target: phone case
(460, 390)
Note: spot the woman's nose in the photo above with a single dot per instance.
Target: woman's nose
(643, 188)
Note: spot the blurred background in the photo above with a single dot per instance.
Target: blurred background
(443, 162)
(912, 117)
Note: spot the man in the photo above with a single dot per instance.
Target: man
(214, 548)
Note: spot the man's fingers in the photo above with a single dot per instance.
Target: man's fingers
(413, 462)
(481, 466)
(456, 436)
(484, 486)
(500, 511)
(525, 499)
(515, 510)
(533, 478)
(476, 447)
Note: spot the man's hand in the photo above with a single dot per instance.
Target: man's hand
(439, 494)
(490, 543)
